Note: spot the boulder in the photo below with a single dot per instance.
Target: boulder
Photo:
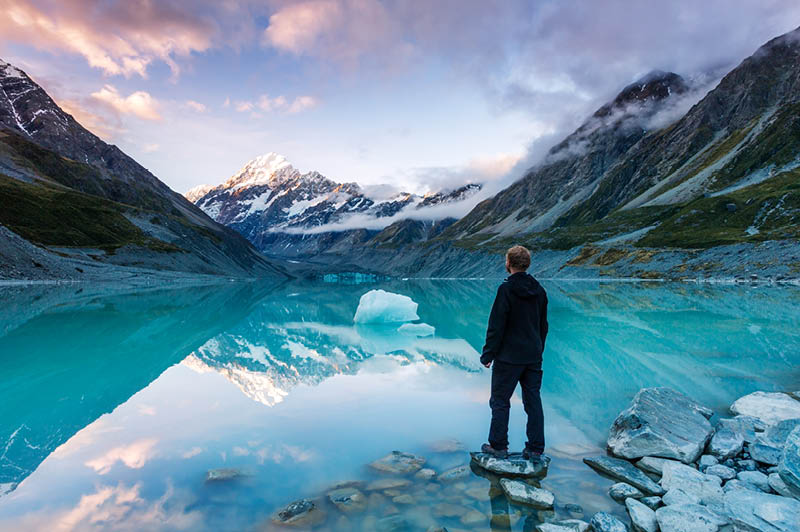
(523, 493)
(651, 502)
(661, 422)
(789, 468)
(725, 443)
(721, 471)
(398, 463)
(762, 512)
(349, 500)
(513, 466)
(575, 525)
(624, 471)
(707, 460)
(689, 518)
(767, 407)
(744, 425)
(605, 522)
(652, 464)
(776, 435)
(766, 454)
(699, 487)
(643, 518)
(622, 490)
(746, 465)
(755, 478)
(736, 484)
(304, 513)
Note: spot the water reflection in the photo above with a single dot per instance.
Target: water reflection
(116, 405)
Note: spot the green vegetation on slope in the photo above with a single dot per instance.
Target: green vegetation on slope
(62, 217)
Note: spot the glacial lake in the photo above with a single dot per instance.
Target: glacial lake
(116, 405)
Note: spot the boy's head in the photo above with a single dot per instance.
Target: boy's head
(518, 259)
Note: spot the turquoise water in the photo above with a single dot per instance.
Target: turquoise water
(116, 405)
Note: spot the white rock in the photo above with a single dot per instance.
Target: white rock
(652, 464)
(689, 518)
(379, 306)
(519, 491)
(642, 517)
(706, 489)
(768, 407)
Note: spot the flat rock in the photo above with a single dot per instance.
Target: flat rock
(303, 513)
(661, 422)
(388, 484)
(348, 499)
(736, 484)
(765, 454)
(567, 525)
(622, 490)
(523, 493)
(689, 518)
(624, 471)
(652, 464)
(605, 522)
(721, 471)
(642, 517)
(398, 463)
(223, 473)
(789, 468)
(651, 502)
(778, 485)
(776, 435)
(762, 512)
(702, 488)
(456, 473)
(756, 478)
(768, 407)
(513, 466)
(725, 443)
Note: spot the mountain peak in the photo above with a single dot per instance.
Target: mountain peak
(656, 85)
(262, 170)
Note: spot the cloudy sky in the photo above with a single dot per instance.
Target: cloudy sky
(417, 93)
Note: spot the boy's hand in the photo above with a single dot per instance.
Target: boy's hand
(487, 365)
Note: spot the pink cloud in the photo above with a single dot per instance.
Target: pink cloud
(139, 103)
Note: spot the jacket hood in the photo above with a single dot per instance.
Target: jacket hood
(524, 286)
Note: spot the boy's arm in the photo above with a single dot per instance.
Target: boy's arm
(497, 325)
(543, 325)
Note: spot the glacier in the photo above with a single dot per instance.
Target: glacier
(380, 306)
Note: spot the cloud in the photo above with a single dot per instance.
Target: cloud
(119, 38)
(276, 104)
(150, 148)
(134, 455)
(139, 103)
(196, 106)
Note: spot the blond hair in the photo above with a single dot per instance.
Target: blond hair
(519, 258)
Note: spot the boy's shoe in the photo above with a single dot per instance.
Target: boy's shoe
(497, 453)
(527, 454)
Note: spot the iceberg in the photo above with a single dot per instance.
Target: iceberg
(417, 329)
(379, 306)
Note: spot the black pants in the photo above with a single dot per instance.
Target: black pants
(504, 380)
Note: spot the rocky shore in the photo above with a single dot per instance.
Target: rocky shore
(678, 467)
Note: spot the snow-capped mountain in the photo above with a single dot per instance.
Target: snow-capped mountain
(285, 212)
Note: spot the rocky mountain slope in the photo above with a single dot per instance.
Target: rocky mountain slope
(290, 214)
(646, 189)
(77, 207)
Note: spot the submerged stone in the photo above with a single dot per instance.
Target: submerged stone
(425, 474)
(513, 466)
(223, 473)
(303, 513)
(756, 511)
(768, 407)
(388, 484)
(348, 500)
(643, 518)
(624, 471)
(398, 463)
(520, 492)
(661, 422)
(605, 522)
(456, 473)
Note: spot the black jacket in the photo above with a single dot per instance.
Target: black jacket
(518, 322)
